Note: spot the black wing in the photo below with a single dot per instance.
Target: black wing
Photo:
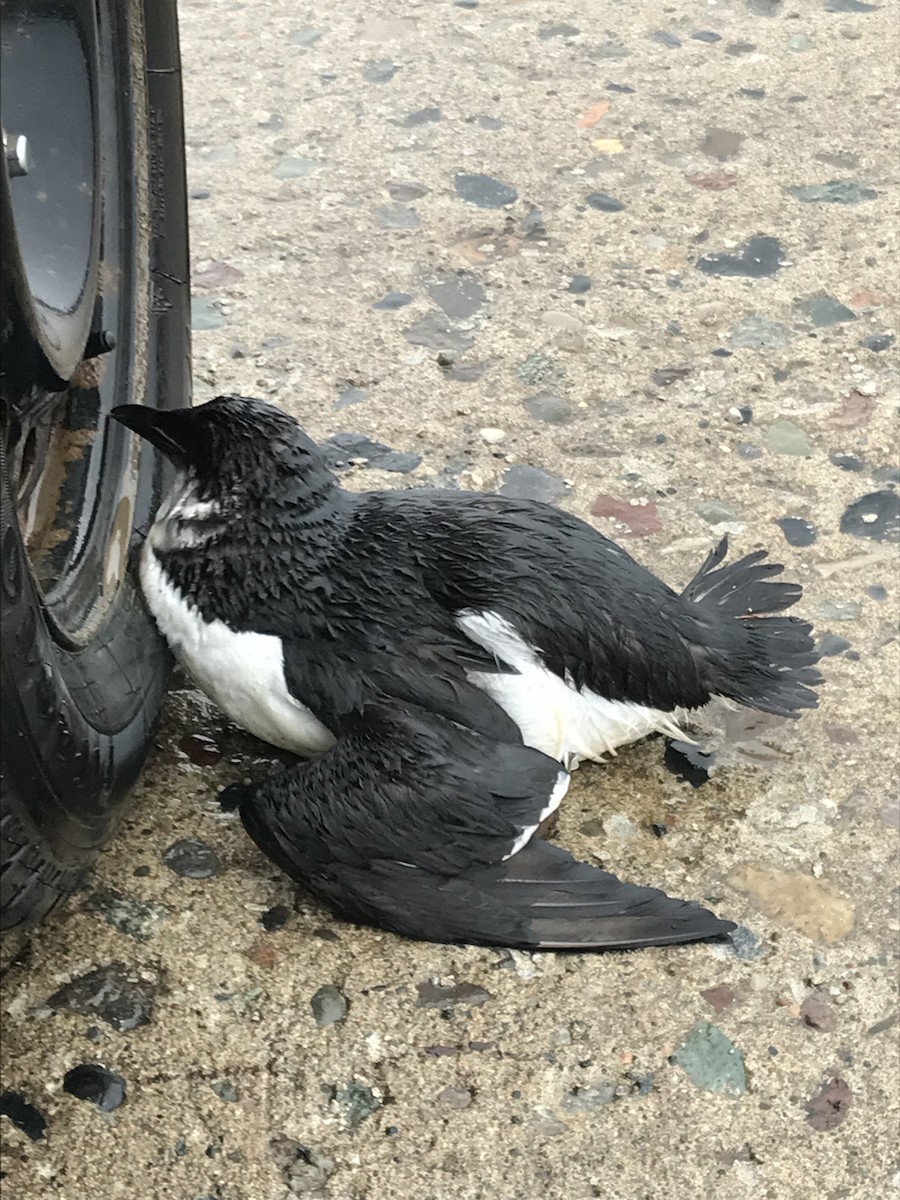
(337, 679)
(601, 619)
(410, 822)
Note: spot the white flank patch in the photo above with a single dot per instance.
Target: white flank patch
(556, 796)
(552, 714)
(242, 672)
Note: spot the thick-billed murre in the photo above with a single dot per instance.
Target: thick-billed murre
(442, 653)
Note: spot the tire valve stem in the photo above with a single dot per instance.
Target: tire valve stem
(100, 341)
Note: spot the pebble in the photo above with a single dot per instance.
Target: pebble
(878, 341)
(714, 512)
(856, 408)
(785, 437)
(532, 483)
(639, 520)
(356, 1101)
(849, 6)
(532, 224)
(827, 1108)
(439, 995)
(721, 144)
(761, 257)
(719, 997)
(706, 35)
(405, 190)
(216, 274)
(831, 645)
(484, 191)
(620, 827)
(555, 319)
(840, 610)
(744, 944)
(543, 1122)
(877, 591)
(557, 30)
(90, 1081)
(421, 116)
(665, 376)
(823, 310)
(379, 70)
(588, 1099)
(192, 859)
(797, 531)
(484, 121)
(463, 372)
(348, 395)
(456, 1098)
(435, 331)
(307, 36)
(846, 462)
(458, 293)
(603, 202)
(836, 191)
(580, 284)
(136, 918)
(23, 1115)
(329, 1005)
(716, 181)
(108, 993)
(537, 369)
(875, 515)
(748, 450)
(712, 1061)
(303, 1169)
(492, 435)
(275, 918)
(800, 43)
(554, 410)
(342, 448)
(811, 906)
(205, 314)
(393, 216)
(291, 167)
(391, 301)
(740, 414)
(225, 1090)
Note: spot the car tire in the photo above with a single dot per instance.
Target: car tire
(82, 666)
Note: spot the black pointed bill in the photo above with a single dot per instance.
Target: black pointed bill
(158, 427)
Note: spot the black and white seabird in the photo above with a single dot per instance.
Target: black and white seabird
(428, 644)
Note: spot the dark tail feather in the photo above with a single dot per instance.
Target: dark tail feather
(765, 662)
(541, 899)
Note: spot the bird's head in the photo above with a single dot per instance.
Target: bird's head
(233, 445)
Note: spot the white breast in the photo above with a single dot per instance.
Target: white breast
(242, 672)
(552, 714)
